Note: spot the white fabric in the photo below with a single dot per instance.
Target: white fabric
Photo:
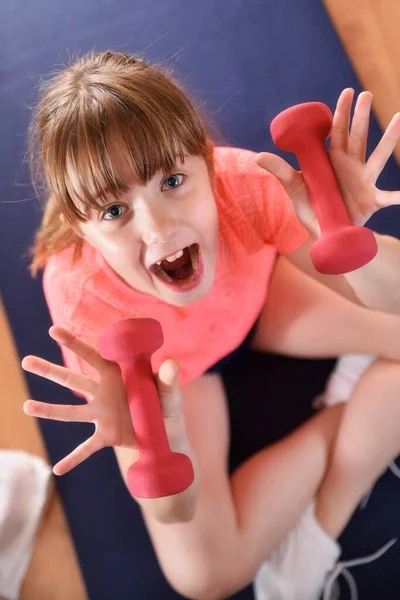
(298, 568)
(24, 486)
(343, 379)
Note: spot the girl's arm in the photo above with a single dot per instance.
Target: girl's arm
(303, 318)
(376, 285)
(210, 540)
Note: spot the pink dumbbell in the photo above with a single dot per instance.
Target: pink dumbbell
(158, 472)
(342, 247)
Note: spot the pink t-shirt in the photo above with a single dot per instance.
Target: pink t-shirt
(256, 220)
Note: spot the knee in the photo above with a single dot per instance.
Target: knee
(371, 421)
(198, 588)
(202, 582)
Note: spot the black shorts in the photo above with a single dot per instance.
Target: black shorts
(245, 345)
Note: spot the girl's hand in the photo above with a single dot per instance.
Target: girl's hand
(356, 177)
(107, 407)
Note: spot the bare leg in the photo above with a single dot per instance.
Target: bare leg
(303, 318)
(240, 519)
(368, 439)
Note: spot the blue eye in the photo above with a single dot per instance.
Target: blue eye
(172, 181)
(113, 212)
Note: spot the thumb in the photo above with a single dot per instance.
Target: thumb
(289, 177)
(168, 389)
(295, 187)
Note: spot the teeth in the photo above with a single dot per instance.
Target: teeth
(173, 257)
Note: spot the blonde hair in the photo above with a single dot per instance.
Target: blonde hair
(100, 96)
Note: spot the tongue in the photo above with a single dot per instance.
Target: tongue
(178, 263)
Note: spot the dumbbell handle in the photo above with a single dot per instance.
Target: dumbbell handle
(144, 407)
(322, 186)
(158, 471)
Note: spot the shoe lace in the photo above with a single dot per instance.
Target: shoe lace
(331, 588)
(395, 469)
(396, 472)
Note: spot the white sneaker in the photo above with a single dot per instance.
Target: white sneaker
(298, 568)
(306, 565)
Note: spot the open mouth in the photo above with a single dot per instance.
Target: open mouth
(181, 272)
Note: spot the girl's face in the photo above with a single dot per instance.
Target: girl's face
(161, 238)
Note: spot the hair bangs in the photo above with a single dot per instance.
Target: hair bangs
(106, 108)
(151, 134)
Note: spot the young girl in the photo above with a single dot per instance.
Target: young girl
(146, 218)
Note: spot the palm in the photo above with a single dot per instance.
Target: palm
(110, 411)
(107, 407)
(356, 184)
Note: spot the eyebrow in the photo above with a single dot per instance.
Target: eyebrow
(101, 198)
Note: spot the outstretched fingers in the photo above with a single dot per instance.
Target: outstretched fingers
(61, 375)
(384, 149)
(79, 455)
(359, 127)
(81, 413)
(341, 121)
(78, 346)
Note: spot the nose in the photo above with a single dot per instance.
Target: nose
(157, 226)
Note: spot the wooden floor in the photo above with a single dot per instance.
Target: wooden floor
(369, 32)
(53, 572)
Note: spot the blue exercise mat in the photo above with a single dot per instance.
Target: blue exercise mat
(245, 61)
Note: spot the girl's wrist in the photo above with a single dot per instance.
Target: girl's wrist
(179, 508)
